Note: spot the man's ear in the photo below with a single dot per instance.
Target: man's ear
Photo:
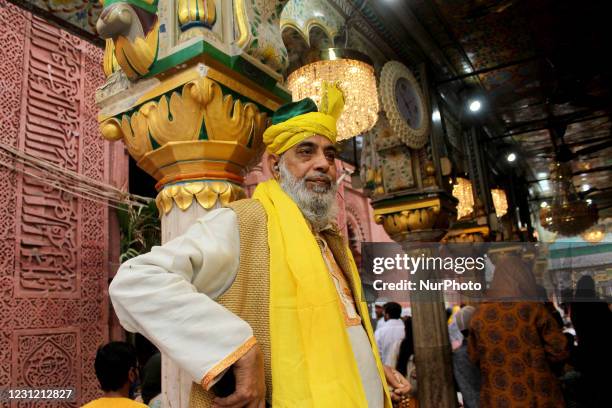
(273, 163)
(133, 375)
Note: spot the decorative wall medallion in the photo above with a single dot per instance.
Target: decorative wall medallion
(47, 358)
(404, 104)
(48, 365)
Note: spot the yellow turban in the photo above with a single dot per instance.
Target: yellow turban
(298, 121)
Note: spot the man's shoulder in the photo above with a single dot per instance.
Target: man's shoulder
(248, 210)
(95, 403)
(230, 212)
(394, 323)
(245, 204)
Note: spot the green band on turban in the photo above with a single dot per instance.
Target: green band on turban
(293, 109)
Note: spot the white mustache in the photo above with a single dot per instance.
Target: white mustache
(319, 177)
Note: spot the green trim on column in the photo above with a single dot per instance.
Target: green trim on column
(151, 8)
(236, 63)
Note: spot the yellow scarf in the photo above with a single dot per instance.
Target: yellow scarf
(312, 360)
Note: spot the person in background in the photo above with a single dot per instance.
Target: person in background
(117, 371)
(380, 315)
(467, 375)
(513, 341)
(406, 313)
(449, 314)
(592, 320)
(566, 296)
(151, 382)
(550, 306)
(402, 357)
(391, 332)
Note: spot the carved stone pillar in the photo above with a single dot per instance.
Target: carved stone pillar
(190, 87)
(401, 168)
(196, 142)
(418, 218)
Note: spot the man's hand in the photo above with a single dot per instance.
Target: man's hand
(400, 386)
(250, 382)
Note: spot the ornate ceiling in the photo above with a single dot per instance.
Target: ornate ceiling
(540, 65)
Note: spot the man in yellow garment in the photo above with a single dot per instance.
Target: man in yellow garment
(266, 288)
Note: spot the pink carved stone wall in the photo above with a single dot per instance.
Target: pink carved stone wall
(54, 247)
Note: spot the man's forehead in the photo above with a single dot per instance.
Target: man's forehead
(319, 141)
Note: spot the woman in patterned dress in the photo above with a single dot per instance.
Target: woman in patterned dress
(513, 342)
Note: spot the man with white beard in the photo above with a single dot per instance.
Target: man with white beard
(266, 290)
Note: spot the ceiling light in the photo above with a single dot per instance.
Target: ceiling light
(435, 116)
(475, 105)
(500, 202)
(544, 185)
(511, 157)
(462, 191)
(568, 215)
(586, 187)
(355, 74)
(594, 234)
(543, 204)
(589, 201)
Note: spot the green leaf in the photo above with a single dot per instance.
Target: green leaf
(140, 230)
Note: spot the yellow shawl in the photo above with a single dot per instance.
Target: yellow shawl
(312, 360)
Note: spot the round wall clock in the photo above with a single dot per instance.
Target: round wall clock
(404, 104)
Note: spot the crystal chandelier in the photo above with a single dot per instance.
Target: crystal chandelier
(356, 78)
(462, 191)
(568, 214)
(500, 202)
(595, 234)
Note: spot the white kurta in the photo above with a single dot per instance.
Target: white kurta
(168, 296)
(393, 331)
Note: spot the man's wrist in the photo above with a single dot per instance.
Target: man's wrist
(214, 374)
